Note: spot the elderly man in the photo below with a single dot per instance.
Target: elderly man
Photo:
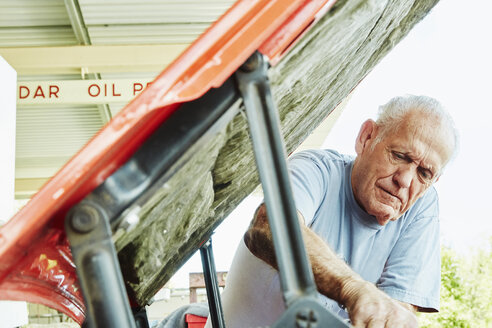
(370, 224)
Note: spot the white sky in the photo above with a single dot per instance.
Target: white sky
(447, 56)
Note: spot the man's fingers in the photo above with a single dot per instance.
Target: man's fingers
(408, 320)
(383, 315)
(374, 309)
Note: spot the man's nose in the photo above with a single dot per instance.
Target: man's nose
(403, 176)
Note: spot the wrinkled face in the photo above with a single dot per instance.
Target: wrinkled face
(390, 175)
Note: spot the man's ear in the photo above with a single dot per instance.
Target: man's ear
(367, 134)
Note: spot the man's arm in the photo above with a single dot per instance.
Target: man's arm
(367, 306)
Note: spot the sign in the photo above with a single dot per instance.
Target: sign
(79, 91)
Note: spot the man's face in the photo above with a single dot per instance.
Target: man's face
(388, 178)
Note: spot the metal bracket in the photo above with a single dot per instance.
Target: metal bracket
(97, 266)
(309, 313)
(296, 277)
(295, 271)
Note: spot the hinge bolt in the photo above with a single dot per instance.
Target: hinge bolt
(85, 218)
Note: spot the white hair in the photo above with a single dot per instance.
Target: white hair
(394, 112)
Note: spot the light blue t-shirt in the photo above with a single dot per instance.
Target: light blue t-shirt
(402, 258)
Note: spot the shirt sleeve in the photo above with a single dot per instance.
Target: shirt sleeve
(307, 174)
(412, 272)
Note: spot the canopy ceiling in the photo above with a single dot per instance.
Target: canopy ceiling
(53, 40)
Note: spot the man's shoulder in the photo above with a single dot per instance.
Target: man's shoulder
(430, 197)
(426, 206)
(323, 156)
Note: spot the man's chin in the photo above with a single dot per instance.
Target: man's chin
(385, 213)
(385, 218)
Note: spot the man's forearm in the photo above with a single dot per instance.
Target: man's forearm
(330, 272)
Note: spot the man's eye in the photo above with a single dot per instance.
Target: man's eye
(398, 155)
(425, 174)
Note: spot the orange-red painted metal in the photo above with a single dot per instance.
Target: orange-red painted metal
(286, 36)
(46, 275)
(35, 261)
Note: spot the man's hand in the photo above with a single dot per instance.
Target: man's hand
(369, 307)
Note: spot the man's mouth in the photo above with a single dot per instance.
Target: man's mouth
(390, 194)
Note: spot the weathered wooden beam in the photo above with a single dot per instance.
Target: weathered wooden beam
(308, 84)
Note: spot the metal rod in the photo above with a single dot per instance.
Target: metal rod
(295, 271)
(141, 318)
(98, 269)
(212, 285)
